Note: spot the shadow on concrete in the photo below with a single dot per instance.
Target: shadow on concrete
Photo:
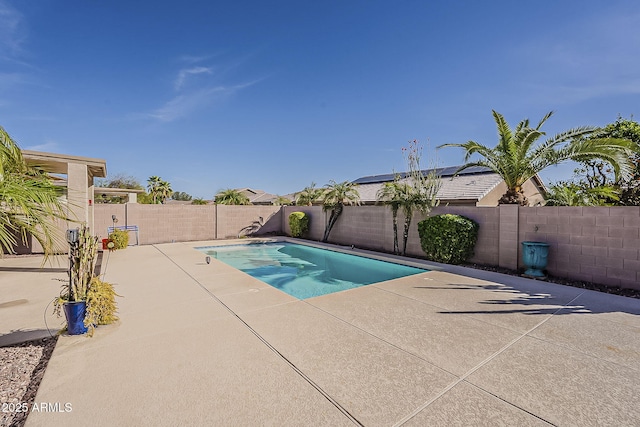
(34, 269)
(565, 299)
(20, 336)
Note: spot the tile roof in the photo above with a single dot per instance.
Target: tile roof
(443, 172)
(471, 184)
(258, 196)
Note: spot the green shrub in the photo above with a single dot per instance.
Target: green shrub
(299, 223)
(448, 238)
(120, 239)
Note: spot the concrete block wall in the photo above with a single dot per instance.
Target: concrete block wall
(317, 220)
(102, 218)
(508, 237)
(159, 223)
(368, 227)
(371, 227)
(235, 220)
(595, 244)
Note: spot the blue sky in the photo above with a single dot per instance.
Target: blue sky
(278, 94)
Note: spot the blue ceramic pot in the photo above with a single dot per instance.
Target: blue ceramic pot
(74, 312)
(534, 257)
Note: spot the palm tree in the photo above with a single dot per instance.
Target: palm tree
(29, 201)
(153, 184)
(308, 195)
(164, 191)
(516, 159)
(281, 201)
(231, 197)
(394, 194)
(416, 192)
(572, 194)
(335, 196)
(420, 195)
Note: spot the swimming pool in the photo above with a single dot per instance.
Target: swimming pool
(304, 271)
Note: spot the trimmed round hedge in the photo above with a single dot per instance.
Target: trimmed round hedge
(299, 223)
(448, 238)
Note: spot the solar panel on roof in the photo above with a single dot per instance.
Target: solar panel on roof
(443, 172)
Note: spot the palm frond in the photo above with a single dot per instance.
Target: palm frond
(504, 131)
(544, 119)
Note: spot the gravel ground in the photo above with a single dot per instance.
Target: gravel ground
(21, 369)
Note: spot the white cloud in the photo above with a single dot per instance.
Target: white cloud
(12, 32)
(192, 59)
(184, 73)
(183, 105)
(49, 146)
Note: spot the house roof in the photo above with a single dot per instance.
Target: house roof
(58, 163)
(257, 196)
(462, 187)
(472, 184)
(442, 172)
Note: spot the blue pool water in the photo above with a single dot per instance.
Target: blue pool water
(304, 271)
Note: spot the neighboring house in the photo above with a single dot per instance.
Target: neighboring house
(258, 197)
(475, 186)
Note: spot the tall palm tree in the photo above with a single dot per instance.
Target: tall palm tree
(308, 195)
(231, 197)
(335, 196)
(164, 191)
(29, 201)
(516, 159)
(153, 184)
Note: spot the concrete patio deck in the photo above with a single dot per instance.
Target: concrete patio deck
(202, 344)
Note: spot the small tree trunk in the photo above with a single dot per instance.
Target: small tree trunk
(513, 197)
(335, 213)
(405, 235)
(396, 249)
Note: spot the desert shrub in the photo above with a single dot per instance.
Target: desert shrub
(448, 238)
(299, 223)
(101, 305)
(120, 239)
